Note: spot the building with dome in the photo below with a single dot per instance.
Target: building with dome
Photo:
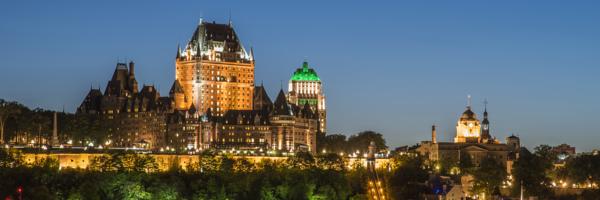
(470, 130)
(305, 88)
(472, 141)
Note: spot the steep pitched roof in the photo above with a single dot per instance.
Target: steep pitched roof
(281, 106)
(307, 111)
(91, 102)
(261, 99)
(176, 88)
(222, 34)
(192, 110)
(248, 117)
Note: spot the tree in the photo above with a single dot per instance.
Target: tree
(545, 152)
(362, 140)
(488, 177)
(335, 143)
(10, 158)
(331, 161)
(530, 171)
(302, 160)
(584, 168)
(408, 178)
(39, 122)
(7, 109)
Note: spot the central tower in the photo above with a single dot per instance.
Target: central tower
(468, 128)
(305, 88)
(215, 70)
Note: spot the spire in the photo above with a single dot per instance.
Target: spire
(178, 51)
(229, 21)
(485, 113)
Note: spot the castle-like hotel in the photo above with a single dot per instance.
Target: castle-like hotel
(213, 102)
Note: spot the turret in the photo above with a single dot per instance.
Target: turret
(133, 85)
(131, 68)
(177, 96)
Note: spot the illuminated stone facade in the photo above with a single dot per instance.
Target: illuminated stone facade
(215, 71)
(305, 88)
(130, 117)
(166, 161)
(468, 128)
(212, 103)
(469, 142)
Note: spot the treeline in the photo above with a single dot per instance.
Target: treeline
(135, 176)
(20, 124)
(338, 143)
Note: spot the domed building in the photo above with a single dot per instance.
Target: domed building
(468, 128)
(472, 142)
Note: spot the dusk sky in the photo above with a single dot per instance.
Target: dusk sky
(395, 68)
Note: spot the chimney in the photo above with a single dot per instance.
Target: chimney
(131, 68)
(433, 135)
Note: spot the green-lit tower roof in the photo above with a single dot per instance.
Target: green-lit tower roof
(305, 74)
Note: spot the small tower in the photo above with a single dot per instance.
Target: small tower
(177, 96)
(468, 127)
(514, 142)
(485, 125)
(133, 84)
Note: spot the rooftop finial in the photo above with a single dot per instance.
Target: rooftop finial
(485, 102)
(229, 17)
(469, 101)
(305, 64)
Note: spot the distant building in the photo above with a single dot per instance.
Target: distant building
(132, 117)
(305, 88)
(471, 142)
(564, 150)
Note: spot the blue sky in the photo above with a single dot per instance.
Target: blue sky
(389, 66)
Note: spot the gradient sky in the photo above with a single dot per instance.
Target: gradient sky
(395, 68)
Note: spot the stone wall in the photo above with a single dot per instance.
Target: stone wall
(164, 161)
